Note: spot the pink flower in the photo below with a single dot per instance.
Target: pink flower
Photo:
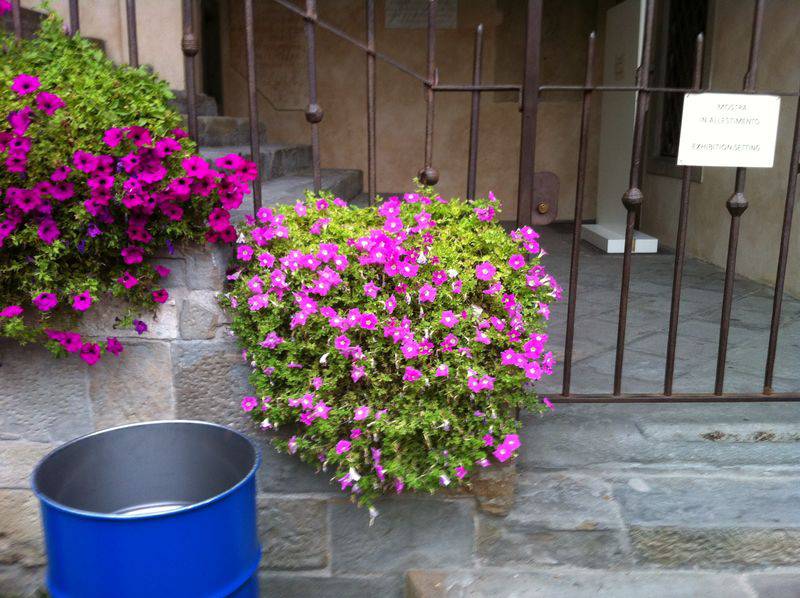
(343, 446)
(516, 261)
(321, 410)
(461, 473)
(390, 304)
(341, 342)
(195, 166)
(128, 280)
(548, 404)
(162, 271)
(427, 293)
(49, 103)
(48, 231)
(113, 345)
(371, 289)
(443, 371)
(244, 252)
(411, 374)
(160, 296)
(357, 372)
(249, 403)
(112, 137)
(485, 214)
(361, 413)
(449, 319)
(12, 311)
(368, 321)
(90, 353)
(502, 453)
(488, 440)
(132, 255)
(485, 271)
(45, 301)
(24, 84)
(82, 301)
(511, 441)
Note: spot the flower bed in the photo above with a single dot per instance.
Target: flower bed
(95, 177)
(393, 342)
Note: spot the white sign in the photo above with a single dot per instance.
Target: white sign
(728, 129)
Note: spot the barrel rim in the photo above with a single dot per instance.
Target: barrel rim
(117, 517)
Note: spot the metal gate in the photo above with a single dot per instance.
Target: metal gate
(529, 91)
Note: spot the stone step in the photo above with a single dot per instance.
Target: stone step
(342, 183)
(206, 105)
(583, 583)
(224, 130)
(277, 160)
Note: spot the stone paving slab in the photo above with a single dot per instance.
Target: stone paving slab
(576, 583)
(597, 313)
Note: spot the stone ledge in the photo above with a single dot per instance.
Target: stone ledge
(17, 460)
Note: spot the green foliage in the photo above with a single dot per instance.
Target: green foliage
(433, 430)
(98, 95)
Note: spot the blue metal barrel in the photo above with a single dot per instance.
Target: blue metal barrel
(149, 510)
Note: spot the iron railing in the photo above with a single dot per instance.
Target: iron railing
(530, 90)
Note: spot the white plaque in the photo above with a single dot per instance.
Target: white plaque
(728, 129)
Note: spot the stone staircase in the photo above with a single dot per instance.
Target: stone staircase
(285, 168)
(624, 501)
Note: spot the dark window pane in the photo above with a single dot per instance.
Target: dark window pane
(687, 18)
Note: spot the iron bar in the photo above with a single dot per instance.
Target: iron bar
(350, 39)
(190, 47)
(676, 398)
(372, 175)
(479, 88)
(586, 108)
(475, 109)
(680, 241)
(736, 205)
(547, 88)
(783, 254)
(16, 17)
(428, 175)
(255, 144)
(530, 109)
(74, 17)
(314, 112)
(133, 44)
(632, 198)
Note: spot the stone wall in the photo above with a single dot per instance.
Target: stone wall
(188, 366)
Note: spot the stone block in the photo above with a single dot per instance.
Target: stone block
(294, 532)
(17, 581)
(133, 387)
(494, 488)
(710, 502)
(206, 266)
(177, 275)
(715, 548)
(201, 315)
(501, 543)
(283, 473)
(20, 530)
(42, 398)
(210, 379)
(571, 583)
(408, 533)
(775, 585)
(17, 460)
(562, 501)
(282, 585)
(162, 321)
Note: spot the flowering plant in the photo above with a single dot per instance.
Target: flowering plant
(395, 341)
(95, 177)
